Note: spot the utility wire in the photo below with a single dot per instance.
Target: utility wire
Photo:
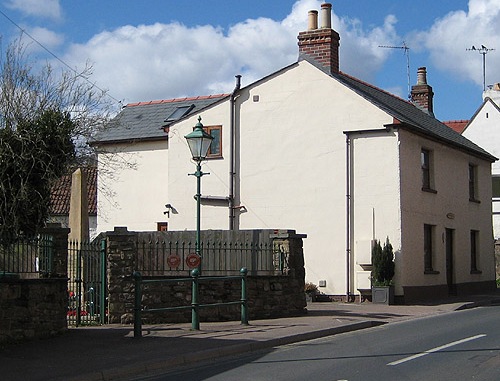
(56, 57)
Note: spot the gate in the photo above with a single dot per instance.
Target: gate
(87, 283)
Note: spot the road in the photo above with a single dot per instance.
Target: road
(462, 345)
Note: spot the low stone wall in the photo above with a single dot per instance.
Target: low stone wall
(37, 307)
(32, 308)
(268, 296)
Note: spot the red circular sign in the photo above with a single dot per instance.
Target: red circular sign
(193, 260)
(174, 260)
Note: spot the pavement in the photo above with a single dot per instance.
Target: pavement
(111, 352)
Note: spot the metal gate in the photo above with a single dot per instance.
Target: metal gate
(87, 303)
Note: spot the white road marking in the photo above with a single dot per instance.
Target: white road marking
(436, 349)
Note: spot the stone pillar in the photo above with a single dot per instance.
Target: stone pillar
(79, 207)
(121, 263)
(59, 249)
(292, 245)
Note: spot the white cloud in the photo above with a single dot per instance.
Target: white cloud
(360, 54)
(45, 37)
(450, 36)
(46, 8)
(158, 61)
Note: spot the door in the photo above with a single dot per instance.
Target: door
(450, 281)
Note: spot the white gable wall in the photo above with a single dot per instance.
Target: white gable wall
(484, 130)
(292, 169)
(132, 185)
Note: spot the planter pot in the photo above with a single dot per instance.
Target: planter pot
(383, 294)
(309, 297)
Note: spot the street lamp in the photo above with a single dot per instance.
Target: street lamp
(199, 142)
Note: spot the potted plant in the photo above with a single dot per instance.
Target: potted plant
(311, 290)
(382, 273)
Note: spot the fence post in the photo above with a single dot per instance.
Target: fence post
(104, 283)
(137, 304)
(244, 311)
(78, 280)
(195, 319)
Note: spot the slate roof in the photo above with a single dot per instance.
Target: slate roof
(61, 194)
(411, 116)
(144, 120)
(139, 121)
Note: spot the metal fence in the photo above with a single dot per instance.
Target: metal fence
(195, 279)
(86, 283)
(27, 257)
(167, 258)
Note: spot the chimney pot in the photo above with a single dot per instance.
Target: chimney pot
(422, 76)
(421, 93)
(312, 20)
(326, 16)
(320, 45)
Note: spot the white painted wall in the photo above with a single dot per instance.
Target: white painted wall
(291, 167)
(484, 130)
(291, 174)
(132, 186)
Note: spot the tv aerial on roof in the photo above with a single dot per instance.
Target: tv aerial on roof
(483, 50)
(406, 52)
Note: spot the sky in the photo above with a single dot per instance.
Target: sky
(162, 49)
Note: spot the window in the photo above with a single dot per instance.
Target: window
(215, 149)
(496, 186)
(429, 249)
(474, 248)
(472, 182)
(162, 226)
(179, 112)
(426, 161)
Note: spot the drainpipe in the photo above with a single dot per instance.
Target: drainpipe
(232, 159)
(348, 216)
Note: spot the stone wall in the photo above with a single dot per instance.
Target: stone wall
(36, 308)
(269, 296)
(32, 308)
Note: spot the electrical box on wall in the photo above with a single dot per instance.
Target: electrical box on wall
(322, 283)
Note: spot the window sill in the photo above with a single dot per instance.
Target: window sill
(431, 272)
(476, 272)
(474, 200)
(429, 190)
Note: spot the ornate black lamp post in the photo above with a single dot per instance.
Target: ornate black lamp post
(199, 142)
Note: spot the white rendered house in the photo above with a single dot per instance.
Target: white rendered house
(313, 149)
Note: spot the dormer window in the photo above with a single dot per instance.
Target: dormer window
(179, 112)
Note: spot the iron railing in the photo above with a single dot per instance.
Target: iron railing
(169, 258)
(27, 257)
(195, 279)
(87, 283)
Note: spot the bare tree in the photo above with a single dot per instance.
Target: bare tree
(47, 118)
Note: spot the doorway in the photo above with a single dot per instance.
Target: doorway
(450, 281)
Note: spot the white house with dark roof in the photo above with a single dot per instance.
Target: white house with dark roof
(484, 129)
(313, 149)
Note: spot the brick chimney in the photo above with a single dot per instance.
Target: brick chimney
(421, 93)
(321, 44)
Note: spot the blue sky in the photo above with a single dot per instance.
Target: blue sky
(160, 49)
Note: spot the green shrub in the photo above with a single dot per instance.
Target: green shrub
(383, 264)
